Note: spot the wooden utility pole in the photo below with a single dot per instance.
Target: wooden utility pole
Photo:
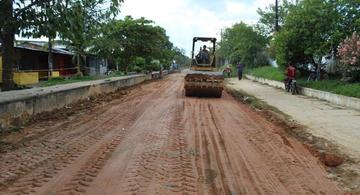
(276, 15)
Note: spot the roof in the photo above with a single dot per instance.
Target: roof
(41, 46)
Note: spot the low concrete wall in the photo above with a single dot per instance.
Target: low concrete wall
(24, 103)
(272, 83)
(341, 100)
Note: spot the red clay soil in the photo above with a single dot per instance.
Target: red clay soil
(154, 140)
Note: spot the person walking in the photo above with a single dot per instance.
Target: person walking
(239, 68)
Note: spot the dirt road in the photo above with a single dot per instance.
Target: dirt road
(155, 141)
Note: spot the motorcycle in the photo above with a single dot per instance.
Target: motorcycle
(291, 86)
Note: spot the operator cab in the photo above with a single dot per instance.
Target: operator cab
(206, 54)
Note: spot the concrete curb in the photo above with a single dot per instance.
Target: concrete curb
(341, 100)
(24, 103)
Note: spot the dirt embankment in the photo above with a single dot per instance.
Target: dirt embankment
(153, 140)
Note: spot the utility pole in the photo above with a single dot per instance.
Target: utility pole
(276, 15)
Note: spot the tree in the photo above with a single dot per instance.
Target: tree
(307, 33)
(242, 43)
(349, 53)
(348, 20)
(83, 20)
(266, 24)
(30, 18)
(18, 16)
(180, 58)
(7, 37)
(125, 40)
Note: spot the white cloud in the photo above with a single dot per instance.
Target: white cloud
(184, 19)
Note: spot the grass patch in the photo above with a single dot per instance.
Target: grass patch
(267, 72)
(78, 78)
(333, 86)
(63, 80)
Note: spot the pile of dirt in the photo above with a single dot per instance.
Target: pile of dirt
(328, 159)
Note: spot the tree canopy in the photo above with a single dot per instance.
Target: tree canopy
(313, 29)
(266, 23)
(43, 18)
(126, 40)
(242, 43)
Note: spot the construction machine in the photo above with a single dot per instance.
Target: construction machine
(203, 79)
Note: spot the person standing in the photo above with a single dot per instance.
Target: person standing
(239, 68)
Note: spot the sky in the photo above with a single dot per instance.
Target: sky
(185, 19)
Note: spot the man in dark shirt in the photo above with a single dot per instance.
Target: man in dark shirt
(239, 68)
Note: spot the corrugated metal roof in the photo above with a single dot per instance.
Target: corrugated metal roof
(41, 47)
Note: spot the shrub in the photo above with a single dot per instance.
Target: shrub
(349, 53)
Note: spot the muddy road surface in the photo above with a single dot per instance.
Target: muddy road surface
(153, 140)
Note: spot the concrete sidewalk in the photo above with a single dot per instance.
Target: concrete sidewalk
(337, 124)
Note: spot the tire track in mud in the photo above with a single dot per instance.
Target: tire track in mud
(33, 173)
(163, 165)
(239, 152)
(278, 155)
(39, 151)
(47, 169)
(156, 141)
(97, 160)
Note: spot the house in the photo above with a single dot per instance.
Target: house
(31, 62)
(33, 56)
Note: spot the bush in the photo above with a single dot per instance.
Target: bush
(117, 74)
(349, 53)
(137, 69)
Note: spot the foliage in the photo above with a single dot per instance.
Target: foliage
(154, 65)
(313, 29)
(348, 19)
(42, 17)
(179, 57)
(83, 20)
(125, 40)
(266, 23)
(116, 74)
(307, 32)
(268, 72)
(242, 43)
(62, 80)
(349, 52)
(334, 86)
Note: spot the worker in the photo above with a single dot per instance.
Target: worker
(204, 55)
(290, 74)
(239, 68)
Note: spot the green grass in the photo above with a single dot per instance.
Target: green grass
(332, 85)
(62, 80)
(77, 78)
(267, 72)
